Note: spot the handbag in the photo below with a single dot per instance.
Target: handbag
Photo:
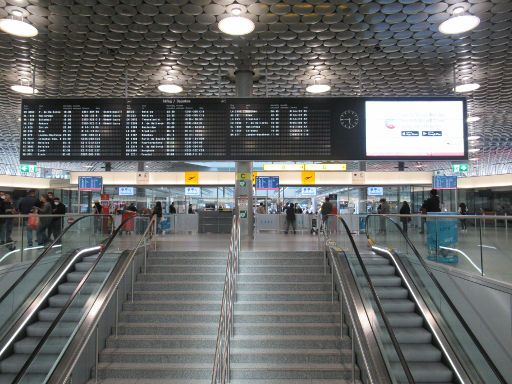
(33, 221)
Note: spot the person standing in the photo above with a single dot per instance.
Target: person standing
(96, 210)
(383, 209)
(190, 209)
(172, 209)
(432, 204)
(57, 222)
(44, 209)
(8, 210)
(157, 210)
(405, 211)
(25, 206)
(261, 209)
(290, 218)
(463, 210)
(325, 211)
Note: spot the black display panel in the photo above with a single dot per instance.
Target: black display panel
(196, 129)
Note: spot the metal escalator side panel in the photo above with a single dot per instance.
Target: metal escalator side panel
(369, 347)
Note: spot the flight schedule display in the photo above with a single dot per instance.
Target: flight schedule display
(320, 128)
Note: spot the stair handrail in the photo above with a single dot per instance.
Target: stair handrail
(380, 307)
(443, 292)
(221, 361)
(149, 230)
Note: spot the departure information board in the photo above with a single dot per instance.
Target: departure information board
(195, 129)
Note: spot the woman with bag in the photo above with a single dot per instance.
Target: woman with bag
(44, 209)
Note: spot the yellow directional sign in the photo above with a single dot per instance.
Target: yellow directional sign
(243, 176)
(254, 174)
(191, 178)
(308, 178)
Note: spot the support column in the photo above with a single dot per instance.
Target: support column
(243, 179)
(140, 192)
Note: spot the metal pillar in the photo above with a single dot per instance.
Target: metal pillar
(243, 191)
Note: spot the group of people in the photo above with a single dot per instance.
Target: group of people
(38, 220)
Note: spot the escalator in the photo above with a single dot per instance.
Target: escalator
(30, 305)
(437, 344)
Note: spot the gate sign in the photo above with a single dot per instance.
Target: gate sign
(90, 183)
(460, 167)
(308, 191)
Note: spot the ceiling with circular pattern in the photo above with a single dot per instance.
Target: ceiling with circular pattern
(101, 48)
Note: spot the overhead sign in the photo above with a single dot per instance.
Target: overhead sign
(28, 168)
(444, 182)
(283, 167)
(90, 183)
(308, 191)
(142, 177)
(308, 178)
(191, 178)
(375, 191)
(268, 183)
(358, 178)
(192, 191)
(126, 191)
(229, 129)
(325, 167)
(460, 167)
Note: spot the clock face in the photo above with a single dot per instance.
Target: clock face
(349, 119)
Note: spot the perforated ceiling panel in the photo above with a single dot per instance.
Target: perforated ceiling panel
(96, 48)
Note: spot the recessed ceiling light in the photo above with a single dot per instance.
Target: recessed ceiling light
(459, 23)
(318, 88)
(170, 88)
(469, 87)
(472, 119)
(25, 89)
(474, 150)
(18, 28)
(475, 137)
(236, 25)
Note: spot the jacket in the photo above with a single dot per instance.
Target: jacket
(26, 204)
(290, 214)
(432, 204)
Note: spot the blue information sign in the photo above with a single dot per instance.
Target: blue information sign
(269, 183)
(444, 182)
(90, 183)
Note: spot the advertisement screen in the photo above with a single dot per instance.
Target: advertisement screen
(126, 191)
(375, 191)
(415, 129)
(192, 191)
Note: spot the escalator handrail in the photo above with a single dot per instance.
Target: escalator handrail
(387, 323)
(443, 293)
(40, 257)
(77, 290)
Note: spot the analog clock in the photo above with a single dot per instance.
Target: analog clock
(349, 119)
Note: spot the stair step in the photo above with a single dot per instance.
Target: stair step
(288, 329)
(180, 305)
(184, 277)
(207, 329)
(172, 269)
(69, 288)
(392, 292)
(177, 295)
(417, 353)
(295, 356)
(293, 341)
(286, 306)
(381, 270)
(94, 277)
(27, 345)
(282, 262)
(405, 320)
(155, 370)
(103, 266)
(428, 372)
(413, 335)
(282, 277)
(394, 306)
(283, 286)
(159, 356)
(169, 316)
(290, 371)
(161, 341)
(375, 260)
(283, 295)
(284, 317)
(162, 286)
(386, 281)
(282, 269)
(38, 329)
(202, 261)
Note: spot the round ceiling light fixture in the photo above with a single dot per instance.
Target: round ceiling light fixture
(235, 24)
(318, 88)
(469, 87)
(170, 88)
(473, 150)
(459, 22)
(24, 87)
(473, 137)
(17, 27)
(473, 119)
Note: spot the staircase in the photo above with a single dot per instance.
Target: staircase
(424, 358)
(168, 333)
(33, 332)
(287, 329)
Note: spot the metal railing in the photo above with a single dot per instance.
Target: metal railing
(221, 363)
(367, 341)
(62, 370)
